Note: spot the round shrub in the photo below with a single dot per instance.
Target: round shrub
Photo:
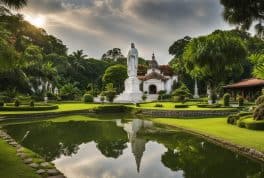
(144, 97)
(240, 101)
(259, 112)
(226, 99)
(232, 119)
(17, 103)
(260, 100)
(31, 103)
(88, 98)
(158, 105)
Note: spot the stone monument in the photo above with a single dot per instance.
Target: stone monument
(132, 93)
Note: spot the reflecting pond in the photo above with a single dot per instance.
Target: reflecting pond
(134, 148)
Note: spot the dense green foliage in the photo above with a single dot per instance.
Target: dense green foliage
(181, 93)
(259, 112)
(87, 98)
(260, 100)
(116, 75)
(244, 13)
(215, 55)
(109, 92)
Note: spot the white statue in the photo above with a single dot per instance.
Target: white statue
(132, 61)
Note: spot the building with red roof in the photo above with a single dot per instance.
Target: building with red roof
(248, 88)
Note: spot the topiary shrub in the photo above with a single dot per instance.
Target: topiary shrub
(260, 100)
(31, 103)
(226, 99)
(180, 94)
(240, 101)
(259, 112)
(88, 98)
(232, 119)
(158, 105)
(17, 103)
(144, 97)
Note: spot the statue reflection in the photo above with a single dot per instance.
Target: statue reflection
(137, 144)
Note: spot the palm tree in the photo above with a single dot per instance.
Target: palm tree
(17, 4)
(78, 58)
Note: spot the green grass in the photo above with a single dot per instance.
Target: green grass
(218, 128)
(73, 118)
(11, 165)
(62, 107)
(171, 106)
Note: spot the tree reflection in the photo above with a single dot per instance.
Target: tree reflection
(112, 149)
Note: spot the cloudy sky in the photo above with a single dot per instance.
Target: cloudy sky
(98, 25)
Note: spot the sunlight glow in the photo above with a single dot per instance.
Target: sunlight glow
(38, 21)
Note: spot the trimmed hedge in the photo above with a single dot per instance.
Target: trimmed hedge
(158, 105)
(255, 125)
(209, 105)
(181, 106)
(29, 108)
(112, 109)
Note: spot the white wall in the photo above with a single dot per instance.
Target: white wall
(158, 83)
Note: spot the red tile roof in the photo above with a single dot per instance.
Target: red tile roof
(253, 82)
(152, 75)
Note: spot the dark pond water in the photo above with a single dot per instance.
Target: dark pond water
(130, 149)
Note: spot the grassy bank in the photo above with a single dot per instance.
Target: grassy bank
(11, 165)
(217, 127)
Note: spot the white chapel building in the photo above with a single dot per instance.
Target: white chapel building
(155, 81)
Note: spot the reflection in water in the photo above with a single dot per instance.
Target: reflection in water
(137, 144)
(132, 149)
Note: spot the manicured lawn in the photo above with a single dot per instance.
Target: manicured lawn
(62, 107)
(11, 166)
(171, 105)
(218, 127)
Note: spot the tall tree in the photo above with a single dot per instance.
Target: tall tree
(244, 13)
(116, 75)
(215, 56)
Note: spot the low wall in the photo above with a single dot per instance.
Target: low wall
(185, 113)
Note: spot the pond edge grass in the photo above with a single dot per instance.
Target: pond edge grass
(30, 158)
(250, 153)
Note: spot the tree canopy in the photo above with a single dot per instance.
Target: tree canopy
(244, 13)
(215, 55)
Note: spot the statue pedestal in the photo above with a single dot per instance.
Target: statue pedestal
(132, 94)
